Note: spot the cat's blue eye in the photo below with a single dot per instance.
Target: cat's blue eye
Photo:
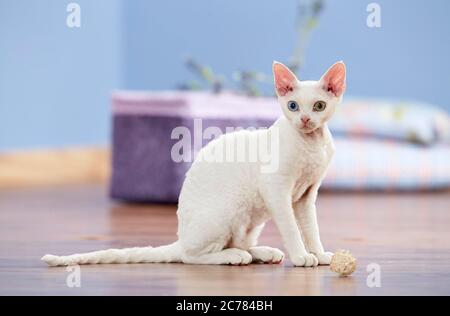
(292, 106)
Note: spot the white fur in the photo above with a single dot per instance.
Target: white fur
(223, 206)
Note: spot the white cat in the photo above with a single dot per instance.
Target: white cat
(223, 206)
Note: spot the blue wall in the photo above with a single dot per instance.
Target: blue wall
(406, 57)
(55, 81)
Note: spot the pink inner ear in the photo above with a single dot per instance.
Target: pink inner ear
(334, 79)
(284, 79)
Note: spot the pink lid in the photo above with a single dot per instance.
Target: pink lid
(194, 104)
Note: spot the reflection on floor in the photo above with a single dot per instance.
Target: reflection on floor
(407, 235)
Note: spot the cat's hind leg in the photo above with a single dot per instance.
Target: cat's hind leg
(210, 244)
(233, 256)
(266, 254)
(262, 253)
(206, 237)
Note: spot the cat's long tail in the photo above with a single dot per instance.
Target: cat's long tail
(168, 253)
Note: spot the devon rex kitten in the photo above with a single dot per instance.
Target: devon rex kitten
(223, 206)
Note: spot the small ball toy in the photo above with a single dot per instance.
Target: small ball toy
(343, 263)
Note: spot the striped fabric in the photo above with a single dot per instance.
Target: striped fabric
(400, 120)
(362, 163)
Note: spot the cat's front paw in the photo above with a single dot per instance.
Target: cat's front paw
(308, 260)
(324, 257)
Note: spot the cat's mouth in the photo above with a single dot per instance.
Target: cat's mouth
(304, 129)
(307, 128)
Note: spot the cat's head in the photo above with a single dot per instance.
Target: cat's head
(308, 105)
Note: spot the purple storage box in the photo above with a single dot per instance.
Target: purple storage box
(142, 167)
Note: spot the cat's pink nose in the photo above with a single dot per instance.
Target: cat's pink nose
(305, 119)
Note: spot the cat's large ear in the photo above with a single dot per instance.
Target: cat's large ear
(285, 80)
(333, 81)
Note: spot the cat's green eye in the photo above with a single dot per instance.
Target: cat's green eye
(319, 106)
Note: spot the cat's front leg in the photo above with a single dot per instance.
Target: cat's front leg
(305, 212)
(280, 208)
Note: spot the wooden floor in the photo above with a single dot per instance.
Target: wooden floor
(407, 235)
